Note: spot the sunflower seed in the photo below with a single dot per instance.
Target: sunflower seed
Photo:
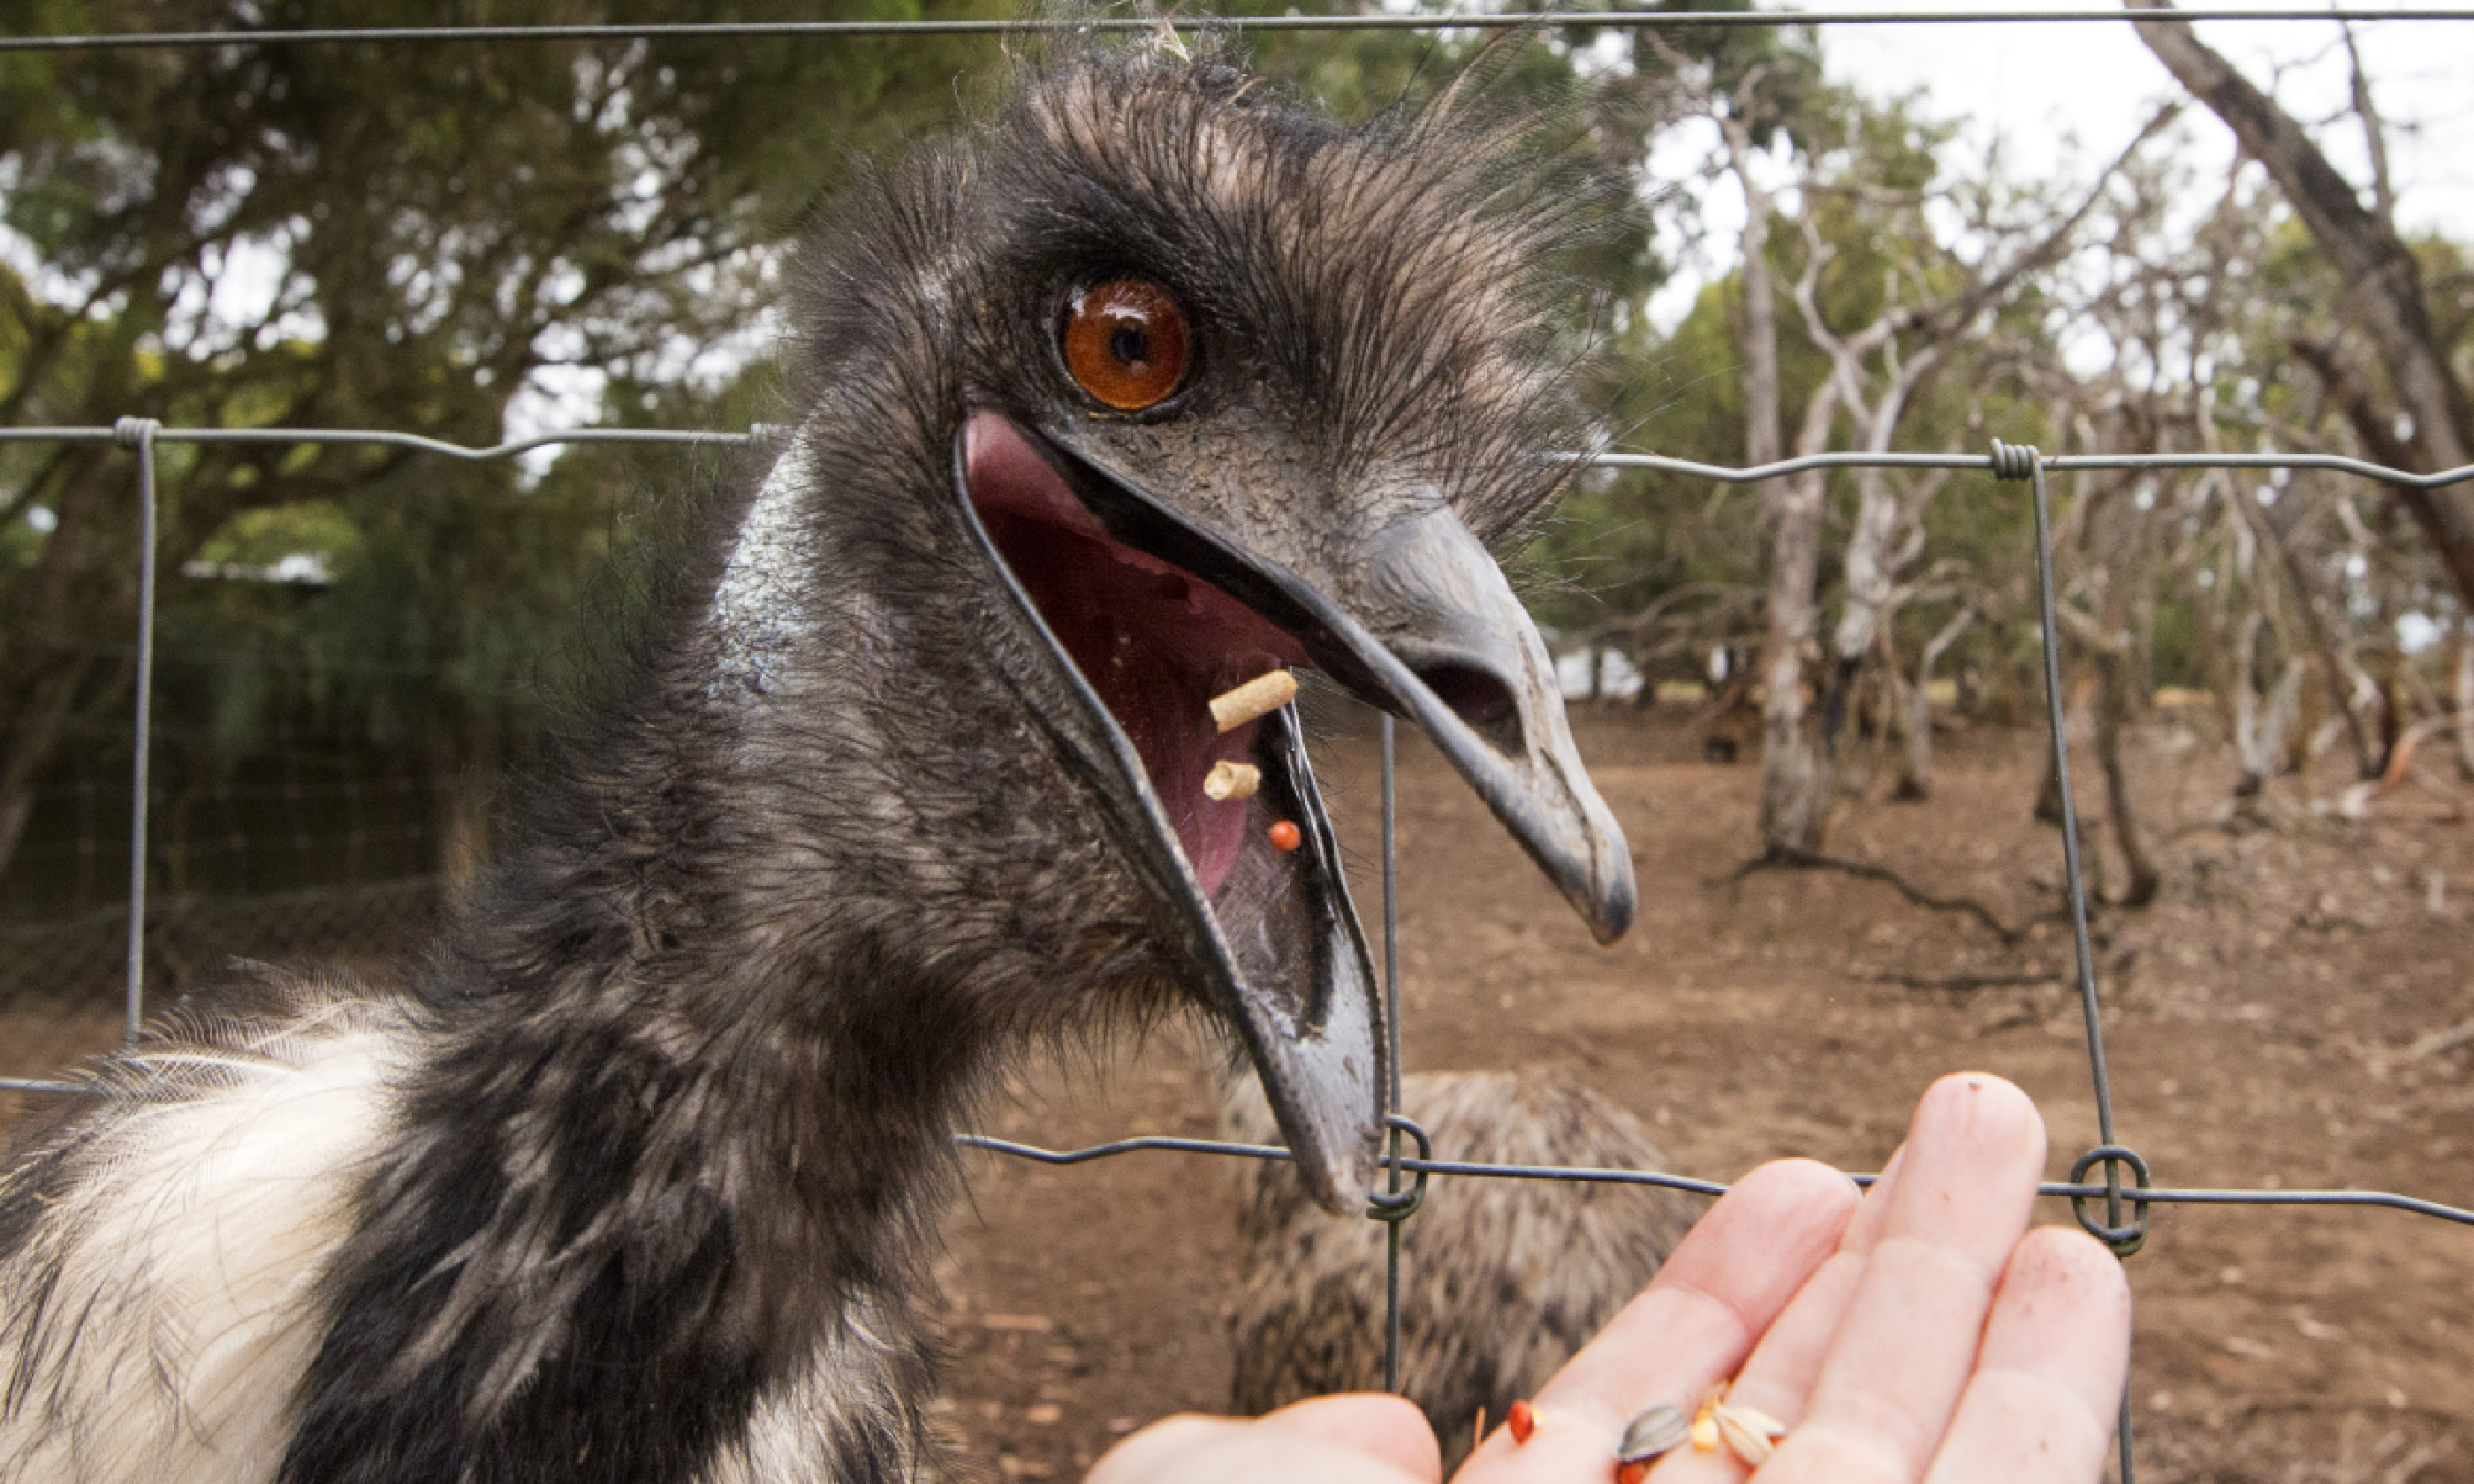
(1658, 1430)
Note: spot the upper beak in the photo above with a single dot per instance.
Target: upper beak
(1450, 644)
(1422, 624)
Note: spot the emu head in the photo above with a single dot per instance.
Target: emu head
(1154, 386)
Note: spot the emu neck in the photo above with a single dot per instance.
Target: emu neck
(682, 1128)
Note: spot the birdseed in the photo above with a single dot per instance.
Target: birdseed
(1258, 697)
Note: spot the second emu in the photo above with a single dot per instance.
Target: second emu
(1502, 1280)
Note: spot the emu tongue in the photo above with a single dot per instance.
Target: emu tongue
(1155, 643)
(1276, 946)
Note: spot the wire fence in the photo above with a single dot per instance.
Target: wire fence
(2113, 1208)
(1510, 21)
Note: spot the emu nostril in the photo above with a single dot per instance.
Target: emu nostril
(1480, 698)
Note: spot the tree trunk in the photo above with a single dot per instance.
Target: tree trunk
(1916, 754)
(1868, 569)
(1795, 777)
(2367, 252)
(2114, 664)
(2263, 735)
(1759, 340)
(1795, 785)
(2344, 683)
(2464, 699)
(1795, 769)
(2048, 790)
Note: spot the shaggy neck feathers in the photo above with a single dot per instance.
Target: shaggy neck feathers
(679, 1127)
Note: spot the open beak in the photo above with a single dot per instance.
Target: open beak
(1152, 613)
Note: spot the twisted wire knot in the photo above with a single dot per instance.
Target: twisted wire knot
(1383, 1206)
(2123, 1239)
(2015, 460)
(134, 432)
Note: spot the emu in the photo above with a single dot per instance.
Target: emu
(1154, 384)
(1502, 1280)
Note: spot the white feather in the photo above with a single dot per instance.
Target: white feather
(182, 1263)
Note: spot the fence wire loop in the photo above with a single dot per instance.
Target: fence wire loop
(2015, 460)
(1401, 1205)
(134, 432)
(2124, 1241)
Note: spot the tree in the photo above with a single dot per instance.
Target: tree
(2389, 320)
(433, 231)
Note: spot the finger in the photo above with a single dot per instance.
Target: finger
(1695, 1323)
(1318, 1442)
(2049, 1376)
(1779, 1378)
(1388, 1428)
(1865, 1230)
(1907, 1340)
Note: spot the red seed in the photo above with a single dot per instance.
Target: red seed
(1522, 1419)
(1285, 836)
(1632, 1472)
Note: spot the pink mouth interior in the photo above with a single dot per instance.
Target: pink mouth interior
(1156, 642)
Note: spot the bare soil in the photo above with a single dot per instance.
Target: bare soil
(2277, 1018)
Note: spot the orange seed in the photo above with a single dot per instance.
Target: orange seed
(1285, 836)
(1521, 1419)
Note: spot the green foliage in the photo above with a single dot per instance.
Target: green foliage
(377, 236)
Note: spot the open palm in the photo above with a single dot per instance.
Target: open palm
(1919, 1334)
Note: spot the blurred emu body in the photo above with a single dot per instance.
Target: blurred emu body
(1501, 1280)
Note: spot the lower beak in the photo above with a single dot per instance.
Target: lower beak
(1419, 621)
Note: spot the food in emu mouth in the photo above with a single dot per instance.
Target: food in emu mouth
(1232, 780)
(1155, 643)
(1258, 697)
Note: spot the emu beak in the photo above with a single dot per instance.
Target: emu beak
(1416, 619)
(1448, 643)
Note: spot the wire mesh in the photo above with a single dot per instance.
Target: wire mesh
(2006, 463)
(2124, 1208)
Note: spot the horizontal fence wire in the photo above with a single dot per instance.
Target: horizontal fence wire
(2004, 462)
(761, 433)
(1589, 1175)
(1619, 21)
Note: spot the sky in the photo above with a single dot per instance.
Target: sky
(2042, 83)
(2066, 97)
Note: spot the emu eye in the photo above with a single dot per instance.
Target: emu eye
(1127, 343)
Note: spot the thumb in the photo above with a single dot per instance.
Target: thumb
(1356, 1439)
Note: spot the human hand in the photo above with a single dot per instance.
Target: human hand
(1916, 1334)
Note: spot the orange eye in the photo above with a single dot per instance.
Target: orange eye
(1127, 343)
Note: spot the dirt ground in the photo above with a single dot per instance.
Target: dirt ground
(2281, 1017)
